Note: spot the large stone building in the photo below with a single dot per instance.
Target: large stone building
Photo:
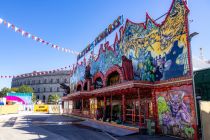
(43, 85)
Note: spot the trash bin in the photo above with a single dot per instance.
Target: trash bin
(150, 127)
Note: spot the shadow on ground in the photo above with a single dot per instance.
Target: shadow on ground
(54, 127)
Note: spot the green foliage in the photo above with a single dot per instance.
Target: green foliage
(53, 99)
(14, 89)
(25, 89)
(33, 98)
(162, 105)
(4, 91)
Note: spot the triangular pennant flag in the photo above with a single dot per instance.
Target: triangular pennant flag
(40, 40)
(13, 27)
(8, 24)
(5, 22)
(19, 30)
(29, 35)
(16, 29)
(1, 21)
(23, 32)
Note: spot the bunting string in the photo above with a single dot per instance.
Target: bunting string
(37, 73)
(35, 38)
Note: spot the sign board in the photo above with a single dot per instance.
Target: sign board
(102, 35)
(41, 108)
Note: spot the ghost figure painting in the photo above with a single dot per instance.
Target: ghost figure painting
(174, 114)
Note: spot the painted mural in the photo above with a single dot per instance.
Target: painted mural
(158, 51)
(77, 76)
(22, 98)
(175, 112)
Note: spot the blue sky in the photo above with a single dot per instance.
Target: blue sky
(75, 23)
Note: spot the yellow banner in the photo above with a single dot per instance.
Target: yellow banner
(9, 109)
(41, 108)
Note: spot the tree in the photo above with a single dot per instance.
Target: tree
(4, 91)
(14, 89)
(25, 89)
(53, 99)
(33, 98)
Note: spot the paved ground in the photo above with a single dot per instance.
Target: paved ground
(55, 127)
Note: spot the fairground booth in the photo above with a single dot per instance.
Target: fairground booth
(145, 75)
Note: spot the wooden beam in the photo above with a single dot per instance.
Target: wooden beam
(104, 113)
(82, 105)
(123, 107)
(111, 106)
(139, 108)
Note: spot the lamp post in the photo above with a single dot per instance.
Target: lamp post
(194, 94)
(193, 76)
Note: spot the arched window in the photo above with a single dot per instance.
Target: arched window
(58, 89)
(113, 78)
(98, 83)
(44, 90)
(43, 99)
(37, 97)
(79, 88)
(85, 86)
(58, 80)
(51, 89)
(51, 81)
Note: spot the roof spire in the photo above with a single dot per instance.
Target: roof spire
(201, 54)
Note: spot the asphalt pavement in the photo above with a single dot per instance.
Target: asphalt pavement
(35, 126)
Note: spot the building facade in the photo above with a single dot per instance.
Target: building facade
(202, 89)
(145, 75)
(43, 85)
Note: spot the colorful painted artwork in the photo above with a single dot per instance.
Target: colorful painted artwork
(158, 51)
(22, 98)
(78, 76)
(175, 112)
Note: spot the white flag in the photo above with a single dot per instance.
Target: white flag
(23, 32)
(29, 35)
(16, 28)
(8, 24)
(1, 21)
